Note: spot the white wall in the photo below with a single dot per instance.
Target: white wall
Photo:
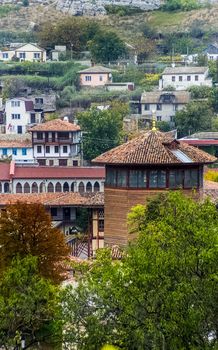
(28, 158)
(29, 51)
(12, 124)
(165, 113)
(185, 83)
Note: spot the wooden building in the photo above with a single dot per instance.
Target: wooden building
(141, 168)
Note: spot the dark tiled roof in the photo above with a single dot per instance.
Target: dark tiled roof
(185, 70)
(55, 125)
(96, 69)
(155, 97)
(154, 147)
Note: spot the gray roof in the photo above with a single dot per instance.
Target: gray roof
(96, 69)
(211, 135)
(158, 97)
(211, 49)
(185, 70)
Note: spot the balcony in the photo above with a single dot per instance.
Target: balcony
(55, 140)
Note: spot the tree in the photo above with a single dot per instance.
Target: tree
(28, 304)
(106, 47)
(27, 229)
(214, 99)
(101, 129)
(164, 292)
(196, 116)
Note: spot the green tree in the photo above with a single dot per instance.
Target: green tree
(27, 229)
(101, 129)
(164, 292)
(214, 99)
(106, 47)
(28, 304)
(196, 116)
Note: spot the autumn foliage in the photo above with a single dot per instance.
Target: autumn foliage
(26, 229)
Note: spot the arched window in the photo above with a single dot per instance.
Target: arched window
(6, 187)
(81, 187)
(0, 187)
(26, 188)
(96, 186)
(19, 188)
(41, 187)
(72, 187)
(58, 187)
(66, 187)
(89, 187)
(34, 187)
(50, 187)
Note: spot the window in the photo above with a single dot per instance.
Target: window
(47, 149)
(42, 162)
(5, 55)
(18, 188)
(89, 187)
(22, 55)
(15, 116)
(180, 78)
(6, 187)
(58, 187)
(175, 178)
(172, 118)
(100, 78)
(75, 162)
(56, 149)
(159, 118)
(101, 225)
(147, 107)
(34, 187)
(39, 149)
(72, 187)
(63, 135)
(15, 103)
(173, 78)
(189, 78)
(51, 162)
(196, 77)
(54, 211)
(191, 178)
(157, 179)
(62, 162)
(121, 178)
(39, 135)
(96, 187)
(159, 107)
(14, 151)
(111, 177)
(24, 151)
(4, 151)
(137, 178)
(66, 187)
(65, 149)
(88, 78)
(50, 187)
(36, 55)
(26, 188)
(81, 187)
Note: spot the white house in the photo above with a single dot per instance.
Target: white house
(56, 142)
(25, 52)
(164, 103)
(17, 147)
(181, 78)
(20, 114)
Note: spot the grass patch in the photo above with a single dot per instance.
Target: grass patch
(6, 9)
(166, 19)
(211, 175)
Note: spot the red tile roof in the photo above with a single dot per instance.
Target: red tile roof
(15, 143)
(200, 142)
(40, 172)
(55, 125)
(55, 199)
(154, 147)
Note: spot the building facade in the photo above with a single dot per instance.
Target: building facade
(95, 76)
(181, 78)
(24, 52)
(56, 142)
(165, 104)
(36, 179)
(18, 149)
(147, 165)
(20, 114)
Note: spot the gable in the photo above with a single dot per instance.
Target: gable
(29, 48)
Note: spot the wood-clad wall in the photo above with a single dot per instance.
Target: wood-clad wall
(118, 203)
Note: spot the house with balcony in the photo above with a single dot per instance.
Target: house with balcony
(20, 114)
(181, 78)
(95, 76)
(23, 52)
(56, 142)
(164, 103)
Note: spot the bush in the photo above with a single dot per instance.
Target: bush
(211, 175)
(184, 5)
(121, 11)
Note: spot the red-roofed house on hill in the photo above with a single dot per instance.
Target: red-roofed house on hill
(143, 167)
(20, 114)
(56, 142)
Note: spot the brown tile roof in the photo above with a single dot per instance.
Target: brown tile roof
(55, 125)
(15, 143)
(154, 147)
(55, 199)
